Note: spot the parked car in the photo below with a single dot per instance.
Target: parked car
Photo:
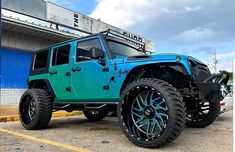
(154, 95)
(227, 103)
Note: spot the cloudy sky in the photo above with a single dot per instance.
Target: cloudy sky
(191, 27)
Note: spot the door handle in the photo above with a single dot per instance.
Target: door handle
(76, 69)
(53, 72)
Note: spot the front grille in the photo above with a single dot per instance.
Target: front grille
(199, 70)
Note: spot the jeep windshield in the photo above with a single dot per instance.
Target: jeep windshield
(119, 48)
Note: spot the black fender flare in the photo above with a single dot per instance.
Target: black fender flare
(146, 66)
(38, 84)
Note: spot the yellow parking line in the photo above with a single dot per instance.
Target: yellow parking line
(61, 145)
(55, 114)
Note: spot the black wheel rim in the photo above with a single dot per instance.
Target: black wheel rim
(199, 112)
(31, 109)
(144, 113)
(27, 109)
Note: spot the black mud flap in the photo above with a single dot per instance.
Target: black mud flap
(210, 89)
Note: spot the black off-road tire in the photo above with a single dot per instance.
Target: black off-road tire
(176, 113)
(95, 115)
(209, 118)
(43, 109)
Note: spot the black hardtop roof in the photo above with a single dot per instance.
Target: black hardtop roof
(113, 35)
(67, 41)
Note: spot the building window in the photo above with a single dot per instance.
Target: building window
(61, 55)
(84, 47)
(41, 60)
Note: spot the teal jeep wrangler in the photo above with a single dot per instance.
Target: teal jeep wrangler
(154, 95)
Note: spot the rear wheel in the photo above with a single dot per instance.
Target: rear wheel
(95, 115)
(151, 113)
(35, 109)
(202, 114)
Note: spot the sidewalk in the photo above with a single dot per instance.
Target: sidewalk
(6, 110)
(10, 113)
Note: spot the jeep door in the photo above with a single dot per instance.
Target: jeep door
(59, 73)
(90, 79)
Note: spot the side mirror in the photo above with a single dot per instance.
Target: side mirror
(96, 53)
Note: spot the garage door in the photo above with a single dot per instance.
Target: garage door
(14, 68)
(14, 71)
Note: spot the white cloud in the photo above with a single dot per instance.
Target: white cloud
(125, 13)
(179, 26)
(225, 66)
(195, 35)
(169, 11)
(163, 20)
(191, 9)
(226, 55)
(225, 61)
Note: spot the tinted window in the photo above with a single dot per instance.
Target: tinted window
(61, 55)
(40, 61)
(121, 49)
(83, 49)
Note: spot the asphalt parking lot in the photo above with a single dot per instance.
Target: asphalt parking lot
(78, 134)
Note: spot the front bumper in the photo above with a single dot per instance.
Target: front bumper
(214, 88)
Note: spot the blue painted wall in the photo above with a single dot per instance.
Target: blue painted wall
(14, 67)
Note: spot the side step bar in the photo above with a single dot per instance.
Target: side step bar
(94, 106)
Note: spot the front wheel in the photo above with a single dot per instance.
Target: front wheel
(151, 112)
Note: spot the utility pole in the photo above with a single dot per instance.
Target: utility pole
(214, 61)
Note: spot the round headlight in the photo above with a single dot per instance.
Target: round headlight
(178, 58)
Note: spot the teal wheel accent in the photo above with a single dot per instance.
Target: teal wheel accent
(149, 111)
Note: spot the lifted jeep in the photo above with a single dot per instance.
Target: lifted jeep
(154, 95)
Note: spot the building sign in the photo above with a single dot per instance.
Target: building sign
(59, 15)
(71, 19)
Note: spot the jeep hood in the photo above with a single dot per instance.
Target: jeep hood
(156, 57)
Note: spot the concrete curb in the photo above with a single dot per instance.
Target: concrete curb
(54, 115)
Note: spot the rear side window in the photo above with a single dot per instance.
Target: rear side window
(40, 60)
(61, 55)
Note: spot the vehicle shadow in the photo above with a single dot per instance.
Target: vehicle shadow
(83, 123)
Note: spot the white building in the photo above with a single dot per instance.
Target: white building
(30, 25)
